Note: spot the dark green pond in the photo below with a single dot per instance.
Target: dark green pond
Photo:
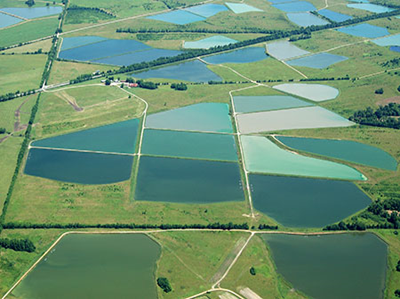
(189, 145)
(118, 138)
(78, 167)
(188, 181)
(305, 202)
(95, 266)
(344, 150)
(345, 266)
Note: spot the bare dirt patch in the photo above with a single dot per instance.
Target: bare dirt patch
(389, 100)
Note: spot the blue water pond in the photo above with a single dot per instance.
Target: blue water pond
(365, 30)
(334, 16)
(179, 17)
(317, 61)
(33, 12)
(6, 20)
(305, 19)
(299, 6)
(207, 10)
(239, 56)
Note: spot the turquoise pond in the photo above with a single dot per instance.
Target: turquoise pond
(188, 181)
(345, 266)
(246, 55)
(365, 30)
(296, 118)
(115, 138)
(334, 16)
(297, 6)
(207, 10)
(78, 167)
(238, 8)
(395, 49)
(209, 42)
(189, 145)
(246, 104)
(317, 61)
(6, 20)
(194, 71)
(179, 17)
(393, 40)
(370, 7)
(95, 266)
(79, 41)
(313, 92)
(346, 150)
(305, 19)
(206, 117)
(283, 50)
(261, 155)
(305, 202)
(33, 12)
(110, 51)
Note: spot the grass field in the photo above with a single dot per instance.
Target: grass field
(21, 72)
(45, 45)
(28, 31)
(18, 3)
(85, 17)
(7, 110)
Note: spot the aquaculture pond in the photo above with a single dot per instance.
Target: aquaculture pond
(317, 61)
(393, 40)
(209, 42)
(238, 8)
(395, 49)
(189, 145)
(95, 266)
(283, 50)
(33, 12)
(332, 266)
(206, 117)
(115, 138)
(297, 118)
(307, 202)
(364, 30)
(246, 104)
(179, 17)
(305, 19)
(110, 51)
(346, 150)
(207, 10)
(297, 6)
(370, 7)
(246, 55)
(313, 92)
(188, 181)
(334, 16)
(194, 71)
(261, 155)
(6, 20)
(78, 167)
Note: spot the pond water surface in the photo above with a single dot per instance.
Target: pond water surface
(209, 42)
(305, 19)
(283, 50)
(241, 7)
(364, 30)
(313, 92)
(33, 12)
(334, 16)
(317, 61)
(207, 10)
(297, 6)
(180, 17)
(246, 55)
(246, 104)
(370, 7)
(6, 20)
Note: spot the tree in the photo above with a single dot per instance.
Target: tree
(398, 266)
(398, 88)
(2, 130)
(252, 271)
(379, 91)
(163, 283)
(30, 3)
(397, 293)
(108, 82)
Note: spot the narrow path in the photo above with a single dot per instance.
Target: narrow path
(81, 151)
(291, 67)
(216, 290)
(17, 124)
(12, 15)
(378, 73)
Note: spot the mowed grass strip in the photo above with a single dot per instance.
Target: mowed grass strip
(28, 31)
(21, 72)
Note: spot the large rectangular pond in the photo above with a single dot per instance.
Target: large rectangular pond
(95, 266)
(194, 71)
(364, 30)
(305, 202)
(306, 19)
(313, 92)
(297, 118)
(246, 55)
(188, 181)
(238, 8)
(33, 12)
(297, 6)
(79, 41)
(283, 50)
(345, 266)
(205, 117)
(261, 155)
(393, 40)
(6, 20)
(317, 61)
(370, 7)
(78, 167)
(207, 10)
(209, 42)
(189, 145)
(115, 138)
(246, 104)
(179, 17)
(334, 16)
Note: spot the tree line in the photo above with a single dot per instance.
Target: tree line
(76, 8)
(384, 116)
(17, 244)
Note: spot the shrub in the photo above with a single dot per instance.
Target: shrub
(163, 283)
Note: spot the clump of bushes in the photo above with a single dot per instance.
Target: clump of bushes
(163, 283)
